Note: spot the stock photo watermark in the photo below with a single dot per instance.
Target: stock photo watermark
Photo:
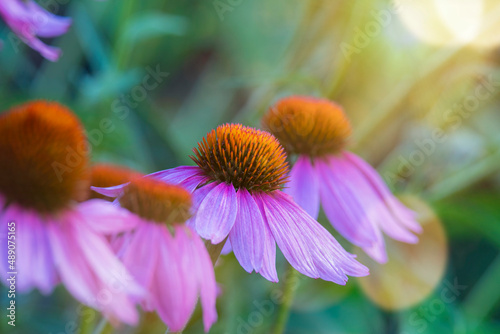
(428, 313)
(223, 6)
(454, 117)
(11, 273)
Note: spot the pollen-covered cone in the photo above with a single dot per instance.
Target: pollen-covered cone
(237, 196)
(354, 197)
(165, 256)
(46, 237)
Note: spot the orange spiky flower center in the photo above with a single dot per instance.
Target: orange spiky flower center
(309, 126)
(43, 153)
(108, 175)
(244, 157)
(157, 201)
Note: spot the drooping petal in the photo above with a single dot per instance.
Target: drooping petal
(28, 20)
(217, 213)
(206, 279)
(140, 257)
(106, 218)
(30, 256)
(268, 270)
(304, 186)
(247, 235)
(175, 293)
(289, 236)
(89, 269)
(310, 248)
(344, 210)
(405, 215)
(374, 205)
(34, 255)
(47, 24)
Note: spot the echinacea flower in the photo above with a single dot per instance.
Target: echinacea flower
(29, 21)
(46, 236)
(237, 194)
(165, 256)
(354, 197)
(108, 175)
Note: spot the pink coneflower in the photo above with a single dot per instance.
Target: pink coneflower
(46, 236)
(236, 188)
(165, 256)
(29, 21)
(354, 197)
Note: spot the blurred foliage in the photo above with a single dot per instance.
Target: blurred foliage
(230, 66)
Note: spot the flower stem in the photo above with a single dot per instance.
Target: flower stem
(290, 286)
(101, 326)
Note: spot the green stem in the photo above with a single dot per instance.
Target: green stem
(101, 326)
(290, 286)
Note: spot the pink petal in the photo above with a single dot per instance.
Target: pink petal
(140, 255)
(90, 270)
(113, 192)
(289, 236)
(28, 21)
(37, 258)
(104, 217)
(405, 215)
(304, 186)
(176, 175)
(217, 213)
(310, 248)
(247, 235)
(227, 248)
(33, 257)
(174, 290)
(47, 24)
(206, 280)
(373, 204)
(344, 209)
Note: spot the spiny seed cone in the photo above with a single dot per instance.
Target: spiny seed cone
(244, 157)
(43, 154)
(157, 201)
(308, 126)
(108, 175)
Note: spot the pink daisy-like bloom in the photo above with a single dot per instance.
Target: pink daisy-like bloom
(29, 21)
(354, 197)
(237, 196)
(46, 236)
(166, 256)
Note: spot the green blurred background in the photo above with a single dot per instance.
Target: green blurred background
(150, 78)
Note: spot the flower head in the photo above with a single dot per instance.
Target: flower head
(236, 192)
(308, 126)
(244, 157)
(58, 239)
(165, 256)
(354, 197)
(29, 21)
